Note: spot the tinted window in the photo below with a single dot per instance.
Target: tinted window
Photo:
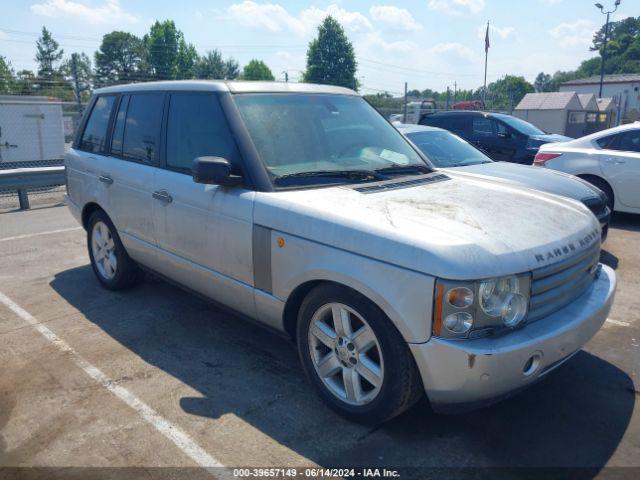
(196, 127)
(447, 150)
(142, 127)
(519, 125)
(482, 126)
(605, 142)
(118, 129)
(95, 133)
(629, 141)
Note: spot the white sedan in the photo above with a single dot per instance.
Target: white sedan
(609, 159)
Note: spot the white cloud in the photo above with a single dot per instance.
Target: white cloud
(495, 31)
(453, 7)
(110, 12)
(374, 42)
(578, 33)
(394, 17)
(275, 18)
(454, 48)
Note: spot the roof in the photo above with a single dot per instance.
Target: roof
(606, 103)
(615, 78)
(546, 101)
(406, 128)
(586, 100)
(227, 86)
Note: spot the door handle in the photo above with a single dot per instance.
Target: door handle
(106, 179)
(163, 196)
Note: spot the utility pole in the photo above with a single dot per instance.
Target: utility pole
(486, 57)
(455, 91)
(448, 95)
(404, 120)
(76, 81)
(604, 45)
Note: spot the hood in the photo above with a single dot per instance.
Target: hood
(460, 227)
(547, 180)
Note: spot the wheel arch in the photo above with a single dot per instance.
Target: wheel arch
(589, 177)
(88, 210)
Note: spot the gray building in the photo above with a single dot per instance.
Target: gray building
(624, 88)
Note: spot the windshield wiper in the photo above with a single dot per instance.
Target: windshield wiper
(404, 169)
(349, 174)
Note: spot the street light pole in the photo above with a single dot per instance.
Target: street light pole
(604, 45)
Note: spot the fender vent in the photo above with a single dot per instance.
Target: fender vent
(393, 185)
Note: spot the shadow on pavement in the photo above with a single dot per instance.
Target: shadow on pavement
(574, 418)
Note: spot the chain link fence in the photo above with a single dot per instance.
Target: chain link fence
(35, 131)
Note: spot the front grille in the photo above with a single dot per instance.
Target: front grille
(559, 284)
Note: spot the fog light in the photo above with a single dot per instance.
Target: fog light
(460, 322)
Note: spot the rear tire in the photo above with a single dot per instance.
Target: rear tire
(354, 356)
(111, 264)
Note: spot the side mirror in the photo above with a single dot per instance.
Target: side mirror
(214, 171)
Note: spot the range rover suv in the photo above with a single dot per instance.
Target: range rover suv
(301, 207)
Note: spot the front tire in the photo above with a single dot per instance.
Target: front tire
(111, 264)
(354, 356)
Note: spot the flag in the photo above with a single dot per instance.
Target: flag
(486, 40)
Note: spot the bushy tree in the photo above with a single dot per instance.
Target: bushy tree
(162, 44)
(77, 71)
(330, 57)
(48, 53)
(542, 82)
(120, 59)
(6, 76)
(231, 69)
(507, 92)
(257, 70)
(187, 60)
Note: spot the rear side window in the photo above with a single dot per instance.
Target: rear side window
(118, 129)
(141, 140)
(482, 126)
(629, 141)
(95, 133)
(606, 142)
(197, 127)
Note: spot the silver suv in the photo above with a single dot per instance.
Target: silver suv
(301, 207)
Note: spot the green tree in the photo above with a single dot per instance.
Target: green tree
(507, 92)
(231, 69)
(542, 82)
(628, 26)
(257, 70)
(77, 71)
(48, 53)
(330, 57)
(163, 45)
(211, 66)
(186, 61)
(120, 59)
(6, 76)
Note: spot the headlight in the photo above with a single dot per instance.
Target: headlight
(464, 309)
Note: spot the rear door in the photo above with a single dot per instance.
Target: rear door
(87, 163)
(204, 232)
(135, 149)
(620, 164)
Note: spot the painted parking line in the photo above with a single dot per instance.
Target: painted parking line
(37, 234)
(179, 438)
(618, 322)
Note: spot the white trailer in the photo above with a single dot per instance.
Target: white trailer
(31, 129)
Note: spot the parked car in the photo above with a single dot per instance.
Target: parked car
(301, 207)
(609, 159)
(502, 137)
(446, 150)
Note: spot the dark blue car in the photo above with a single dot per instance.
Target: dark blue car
(502, 137)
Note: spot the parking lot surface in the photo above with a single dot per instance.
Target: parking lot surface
(156, 377)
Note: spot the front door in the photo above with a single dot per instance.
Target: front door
(204, 232)
(620, 163)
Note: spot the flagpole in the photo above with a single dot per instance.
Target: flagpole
(486, 57)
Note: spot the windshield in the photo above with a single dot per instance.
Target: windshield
(299, 134)
(520, 125)
(447, 150)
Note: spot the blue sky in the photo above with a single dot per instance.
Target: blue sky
(428, 43)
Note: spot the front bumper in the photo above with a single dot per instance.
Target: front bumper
(464, 374)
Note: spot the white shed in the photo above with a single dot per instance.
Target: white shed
(549, 110)
(31, 129)
(588, 101)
